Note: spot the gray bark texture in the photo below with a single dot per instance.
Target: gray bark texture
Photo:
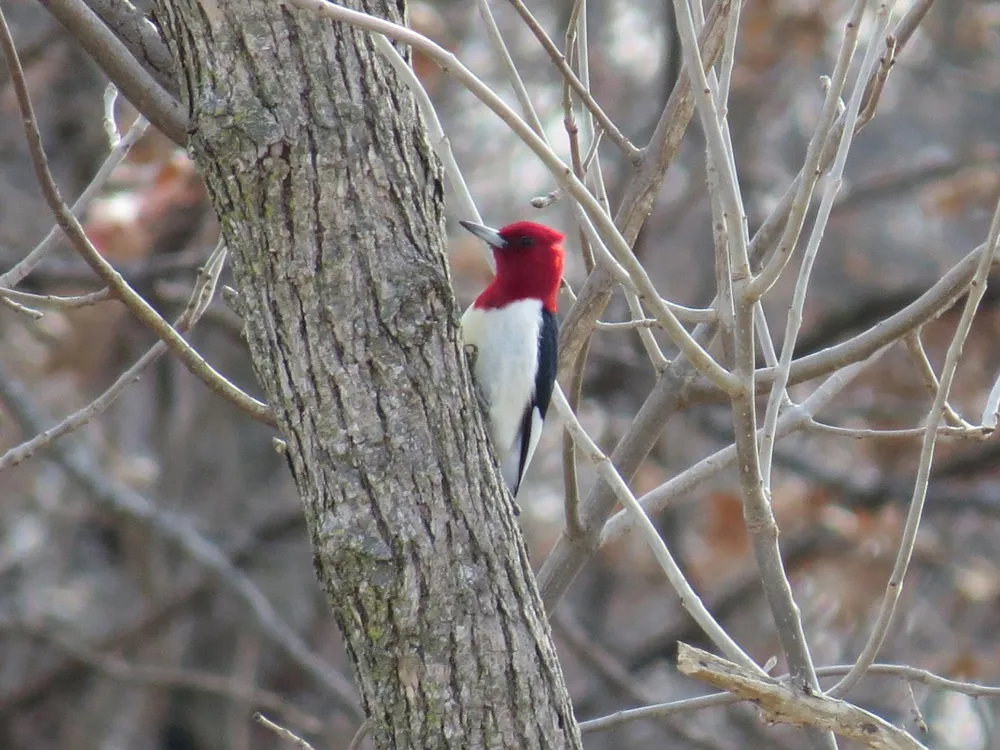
(330, 199)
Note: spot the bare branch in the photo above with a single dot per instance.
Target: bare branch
(138, 86)
(660, 710)
(919, 356)
(960, 433)
(812, 168)
(934, 419)
(507, 62)
(942, 295)
(160, 676)
(26, 265)
(201, 297)
(141, 38)
(78, 463)
(607, 125)
(790, 705)
(81, 243)
(923, 676)
(56, 302)
(791, 420)
(832, 187)
(877, 82)
(285, 734)
(563, 174)
(689, 599)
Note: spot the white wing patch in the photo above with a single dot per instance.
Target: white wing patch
(506, 341)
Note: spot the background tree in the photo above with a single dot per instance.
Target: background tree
(314, 156)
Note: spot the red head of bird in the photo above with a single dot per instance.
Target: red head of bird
(529, 260)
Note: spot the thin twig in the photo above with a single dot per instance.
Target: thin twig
(571, 502)
(29, 312)
(112, 57)
(110, 123)
(934, 419)
(195, 363)
(878, 81)
(571, 483)
(690, 600)
(622, 253)
(918, 717)
(26, 265)
(360, 735)
(607, 125)
(79, 464)
(285, 734)
(627, 325)
(811, 168)
(507, 63)
(577, 37)
(660, 710)
(56, 302)
(200, 299)
(961, 433)
(835, 180)
(160, 676)
(915, 674)
(915, 347)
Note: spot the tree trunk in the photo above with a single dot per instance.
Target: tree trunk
(330, 199)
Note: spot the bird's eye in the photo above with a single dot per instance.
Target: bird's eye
(526, 241)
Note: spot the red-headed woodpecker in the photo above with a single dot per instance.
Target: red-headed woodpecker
(513, 330)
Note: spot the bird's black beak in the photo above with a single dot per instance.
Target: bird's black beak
(487, 234)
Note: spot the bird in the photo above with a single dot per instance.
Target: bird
(512, 335)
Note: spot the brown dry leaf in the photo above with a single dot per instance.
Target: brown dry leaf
(772, 30)
(722, 546)
(965, 665)
(849, 585)
(970, 188)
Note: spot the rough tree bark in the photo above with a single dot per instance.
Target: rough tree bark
(330, 199)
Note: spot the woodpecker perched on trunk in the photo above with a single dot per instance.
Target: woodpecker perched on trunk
(513, 330)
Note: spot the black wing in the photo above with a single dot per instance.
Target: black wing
(545, 380)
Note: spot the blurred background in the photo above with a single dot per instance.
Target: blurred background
(113, 638)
